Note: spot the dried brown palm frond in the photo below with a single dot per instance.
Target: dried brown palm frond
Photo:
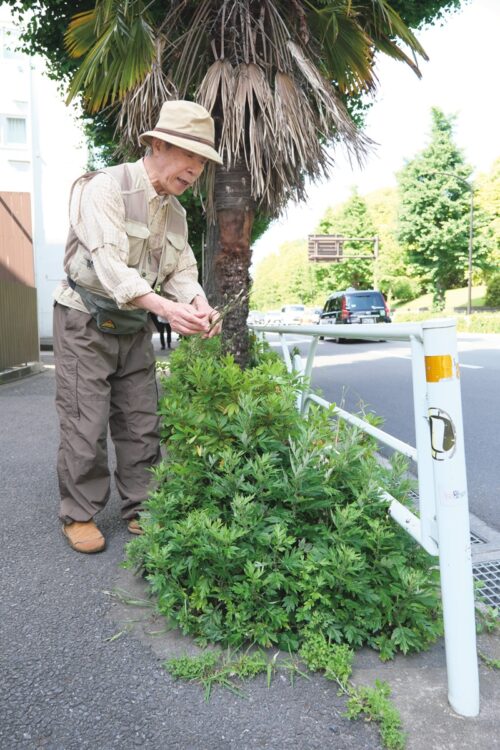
(294, 122)
(331, 111)
(252, 95)
(217, 85)
(141, 106)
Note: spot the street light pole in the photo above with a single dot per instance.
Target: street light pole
(471, 231)
(471, 234)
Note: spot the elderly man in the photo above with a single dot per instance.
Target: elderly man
(127, 237)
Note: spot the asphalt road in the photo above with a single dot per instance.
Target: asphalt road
(376, 376)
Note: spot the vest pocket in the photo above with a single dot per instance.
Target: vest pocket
(174, 247)
(178, 241)
(137, 234)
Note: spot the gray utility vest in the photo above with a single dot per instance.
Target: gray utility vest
(78, 263)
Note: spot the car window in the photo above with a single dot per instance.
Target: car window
(365, 301)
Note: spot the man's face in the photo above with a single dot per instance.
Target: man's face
(174, 168)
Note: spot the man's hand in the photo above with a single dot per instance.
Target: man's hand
(212, 316)
(185, 319)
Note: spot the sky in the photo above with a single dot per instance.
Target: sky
(461, 78)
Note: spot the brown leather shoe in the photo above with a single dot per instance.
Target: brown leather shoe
(84, 537)
(134, 527)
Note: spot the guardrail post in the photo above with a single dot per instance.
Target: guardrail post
(452, 512)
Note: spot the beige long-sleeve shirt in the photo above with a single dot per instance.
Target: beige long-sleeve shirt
(97, 215)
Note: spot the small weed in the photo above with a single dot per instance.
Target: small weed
(374, 704)
(490, 662)
(218, 668)
(335, 660)
(487, 619)
(125, 598)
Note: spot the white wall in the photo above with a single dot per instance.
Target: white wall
(15, 95)
(46, 165)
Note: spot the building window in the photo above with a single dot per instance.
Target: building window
(15, 131)
(20, 166)
(9, 43)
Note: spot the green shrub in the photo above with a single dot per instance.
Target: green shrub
(492, 298)
(404, 289)
(266, 526)
(480, 322)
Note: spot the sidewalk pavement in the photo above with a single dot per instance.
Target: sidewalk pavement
(82, 669)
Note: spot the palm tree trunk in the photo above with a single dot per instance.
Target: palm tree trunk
(235, 213)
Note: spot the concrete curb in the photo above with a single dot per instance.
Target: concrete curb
(21, 371)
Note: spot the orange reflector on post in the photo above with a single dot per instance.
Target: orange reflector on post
(438, 367)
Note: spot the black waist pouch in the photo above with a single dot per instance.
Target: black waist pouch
(109, 318)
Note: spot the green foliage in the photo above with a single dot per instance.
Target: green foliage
(373, 703)
(116, 37)
(416, 13)
(334, 659)
(217, 668)
(351, 219)
(434, 216)
(489, 661)
(476, 323)
(265, 524)
(487, 618)
(492, 298)
(405, 289)
(228, 669)
(487, 199)
(391, 273)
(285, 277)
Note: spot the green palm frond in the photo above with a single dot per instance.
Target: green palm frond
(80, 35)
(386, 23)
(117, 40)
(350, 34)
(347, 52)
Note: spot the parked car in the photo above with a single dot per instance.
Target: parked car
(273, 318)
(355, 306)
(256, 317)
(292, 315)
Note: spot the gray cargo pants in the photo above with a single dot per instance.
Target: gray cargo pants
(103, 379)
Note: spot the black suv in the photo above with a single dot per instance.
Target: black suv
(355, 306)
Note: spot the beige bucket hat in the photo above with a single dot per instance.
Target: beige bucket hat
(187, 125)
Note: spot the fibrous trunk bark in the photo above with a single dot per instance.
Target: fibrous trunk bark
(230, 263)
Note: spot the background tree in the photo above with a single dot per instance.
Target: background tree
(434, 212)
(273, 74)
(285, 277)
(488, 201)
(351, 219)
(391, 271)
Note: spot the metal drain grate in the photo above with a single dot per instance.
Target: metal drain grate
(476, 539)
(489, 574)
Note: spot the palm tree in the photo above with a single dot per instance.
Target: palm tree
(275, 74)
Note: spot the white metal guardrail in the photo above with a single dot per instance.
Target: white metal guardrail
(443, 527)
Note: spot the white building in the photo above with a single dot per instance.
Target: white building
(42, 151)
